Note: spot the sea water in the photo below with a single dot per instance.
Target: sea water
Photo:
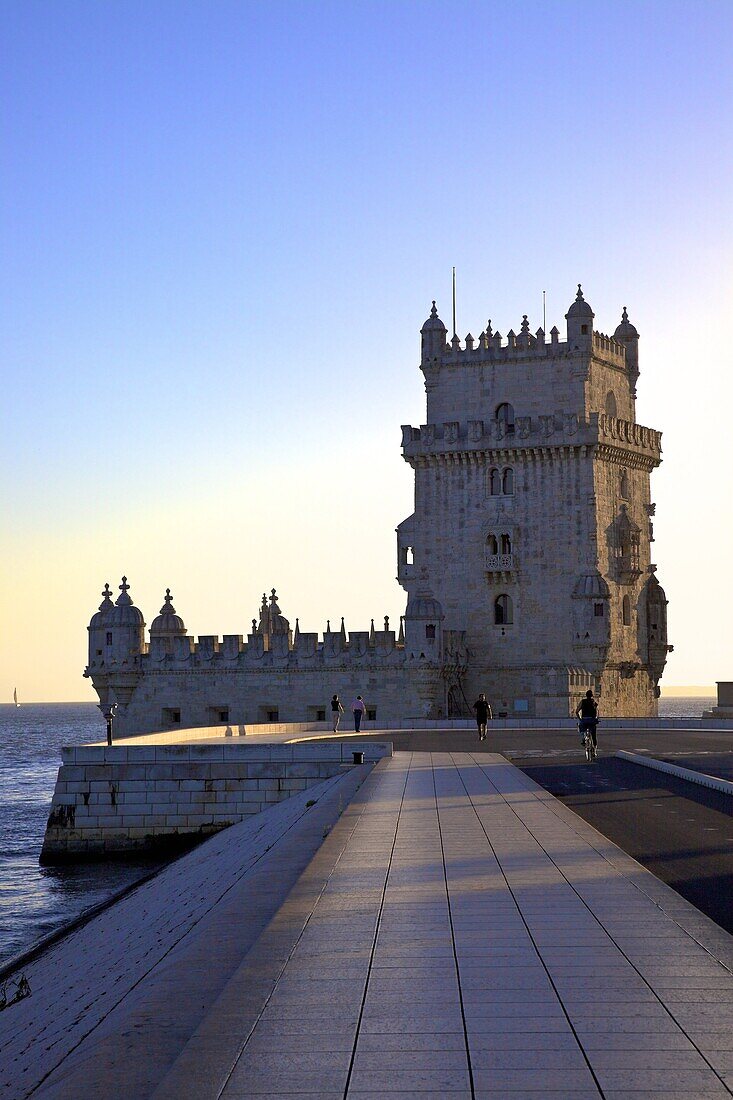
(37, 900)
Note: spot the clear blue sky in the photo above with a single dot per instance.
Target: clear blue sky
(222, 226)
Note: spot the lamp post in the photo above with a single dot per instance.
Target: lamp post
(109, 713)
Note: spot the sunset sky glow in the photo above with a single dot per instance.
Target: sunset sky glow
(223, 225)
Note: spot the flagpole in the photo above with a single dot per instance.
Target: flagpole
(454, 301)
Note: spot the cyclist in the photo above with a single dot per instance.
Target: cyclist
(587, 713)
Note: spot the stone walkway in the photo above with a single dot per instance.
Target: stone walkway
(474, 939)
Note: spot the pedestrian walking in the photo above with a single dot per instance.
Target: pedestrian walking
(336, 711)
(359, 710)
(482, 706)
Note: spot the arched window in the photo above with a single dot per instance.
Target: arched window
(611, 404)
(430, 632)
(492, 546)
(506, 544)
(503, 611)
(505, 416)
(626, 611)
(507, 482)
(624, 485)
(495, 482)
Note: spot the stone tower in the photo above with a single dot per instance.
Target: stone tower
(532, 522)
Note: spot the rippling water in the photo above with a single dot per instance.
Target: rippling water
(36, 900)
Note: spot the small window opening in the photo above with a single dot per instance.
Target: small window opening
(492, 546)
(610, 403)
(624, 485)
(503, 611)
(507, 482)
(598, 610)
(371, 714)
(171, 716)
(626, 611)
(108, 638)
(506, 544)
(223, 714)
(273, 714)
(320, 716)
(409, 556)
(430, 632)
(584, 330)
(99, 652)
(505, 416)
(495, 482)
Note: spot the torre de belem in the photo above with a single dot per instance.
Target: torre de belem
(527, 562)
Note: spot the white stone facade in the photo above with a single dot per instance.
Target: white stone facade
(527, 561)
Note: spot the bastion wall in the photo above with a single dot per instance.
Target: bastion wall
(128, 799)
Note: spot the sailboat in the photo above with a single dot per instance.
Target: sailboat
(15, 697)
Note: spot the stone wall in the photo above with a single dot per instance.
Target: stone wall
(145, 798)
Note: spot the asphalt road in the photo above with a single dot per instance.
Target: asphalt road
(680, 831)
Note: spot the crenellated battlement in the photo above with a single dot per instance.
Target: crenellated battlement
(491, 347)
(529, 432)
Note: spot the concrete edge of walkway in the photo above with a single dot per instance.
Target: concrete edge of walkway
(714, 939)
(87, 1066)
(701, 778)
(213, 1049)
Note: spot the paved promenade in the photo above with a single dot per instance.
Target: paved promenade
(471, 938)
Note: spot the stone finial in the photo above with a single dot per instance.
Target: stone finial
(328, 626)
(254, 626)
(434, 309)
(124, 599)
(386, 622)
(107, 593)
(168, 608)
(525, 325)
(401, 637)
(489, 332)
(579, 296)
(371, 633)
(296, 635)
(343, 630)
(624, 316)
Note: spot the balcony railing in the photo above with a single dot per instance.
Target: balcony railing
(499, 562)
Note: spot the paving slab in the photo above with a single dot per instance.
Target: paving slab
(475, 939)
(469, 937)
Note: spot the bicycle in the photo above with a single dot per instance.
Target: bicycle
(586, 731)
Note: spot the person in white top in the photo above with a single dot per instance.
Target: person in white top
(359, 710)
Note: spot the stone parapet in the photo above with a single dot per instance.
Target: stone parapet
(557, 429)
(493, 348)
(129, 799)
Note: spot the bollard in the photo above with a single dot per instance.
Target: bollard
(358, 757)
